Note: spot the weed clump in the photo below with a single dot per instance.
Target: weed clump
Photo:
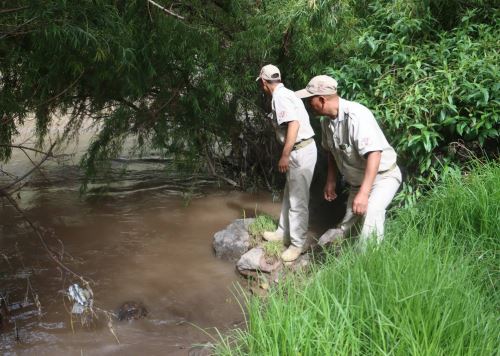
(261, 223)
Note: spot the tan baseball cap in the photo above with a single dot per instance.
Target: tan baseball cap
(319, 85)
(269, 72)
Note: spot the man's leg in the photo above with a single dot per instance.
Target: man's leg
(350, 219)
(384, 188)
(284, 224)
(301, 171)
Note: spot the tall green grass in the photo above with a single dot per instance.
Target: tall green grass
(430, 289)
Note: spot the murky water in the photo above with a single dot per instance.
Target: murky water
(144, 242)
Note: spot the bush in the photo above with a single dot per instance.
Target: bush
(429, 89)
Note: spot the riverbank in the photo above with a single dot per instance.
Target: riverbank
(430, 289)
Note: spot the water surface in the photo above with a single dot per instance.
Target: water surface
(148, 240)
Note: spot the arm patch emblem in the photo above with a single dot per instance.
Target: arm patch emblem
(366, 141)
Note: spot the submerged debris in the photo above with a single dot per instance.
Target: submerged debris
(131, 311)
(81, 297)
(4, 313)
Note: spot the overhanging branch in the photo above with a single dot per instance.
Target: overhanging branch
(48, 154)
(169, 12)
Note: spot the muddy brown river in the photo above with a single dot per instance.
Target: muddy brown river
(149, 240)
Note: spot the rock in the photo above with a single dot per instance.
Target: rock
(258, 292)
(300, 263)
(250, 261)
(132, 311)
(202, 350)
(232, 242)
(331, 236)
(264, 285)
(255, 260)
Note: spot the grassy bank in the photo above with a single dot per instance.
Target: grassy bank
(430, 289)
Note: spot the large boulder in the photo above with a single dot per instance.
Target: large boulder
(232, 242)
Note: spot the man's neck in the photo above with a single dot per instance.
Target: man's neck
(333, 111)
(273, 87)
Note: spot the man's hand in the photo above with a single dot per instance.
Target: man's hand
(329, 191)
(283, 163)
(360, 203)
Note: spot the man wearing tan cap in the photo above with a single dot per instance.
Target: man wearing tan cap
(358, 150)
(298, 158)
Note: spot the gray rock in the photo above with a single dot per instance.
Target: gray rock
(332, 236)
(202, 350)
(255, 260)
(250, 261)
(232, 242)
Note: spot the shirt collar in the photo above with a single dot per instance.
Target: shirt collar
(342, 108)
(340, 114)
(278, 87)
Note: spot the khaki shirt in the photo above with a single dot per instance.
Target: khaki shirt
(287, 107)
(350, 136)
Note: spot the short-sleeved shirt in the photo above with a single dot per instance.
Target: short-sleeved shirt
(287, 107)
(352, 135)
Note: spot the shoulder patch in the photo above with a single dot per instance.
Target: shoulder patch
(366, 141)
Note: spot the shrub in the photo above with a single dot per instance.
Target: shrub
(428, 89)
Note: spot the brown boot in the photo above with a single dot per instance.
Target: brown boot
(291, 254)
(273, 236)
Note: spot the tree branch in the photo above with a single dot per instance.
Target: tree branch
(21, 147)
(27, 174)
(63, 91)
(169, 12)
(37, 166)
(6, 195)
(213, 170)
(6, 11)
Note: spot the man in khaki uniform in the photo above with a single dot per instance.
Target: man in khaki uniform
(358, 150)
(298, 158)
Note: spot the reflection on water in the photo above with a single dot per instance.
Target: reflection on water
(148, 240)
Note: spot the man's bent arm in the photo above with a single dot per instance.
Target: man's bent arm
(371, 170)
(331, 179)
(332, 169)
(360, 203)
(291, 136)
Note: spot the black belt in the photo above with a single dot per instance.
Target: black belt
(393, 166)
(302, 143)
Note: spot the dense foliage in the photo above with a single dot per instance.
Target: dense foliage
(185, 86)
(435, 92)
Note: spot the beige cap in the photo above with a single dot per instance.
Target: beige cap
(269, 72)
(319, 85)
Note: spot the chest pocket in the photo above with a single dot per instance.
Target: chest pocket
(341, 140)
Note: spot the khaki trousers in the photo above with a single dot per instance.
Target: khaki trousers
(294, 218)
(384, 188)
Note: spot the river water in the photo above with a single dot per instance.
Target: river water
(150, 240)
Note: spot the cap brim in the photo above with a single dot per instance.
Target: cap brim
(257, 79)
(303, 94)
